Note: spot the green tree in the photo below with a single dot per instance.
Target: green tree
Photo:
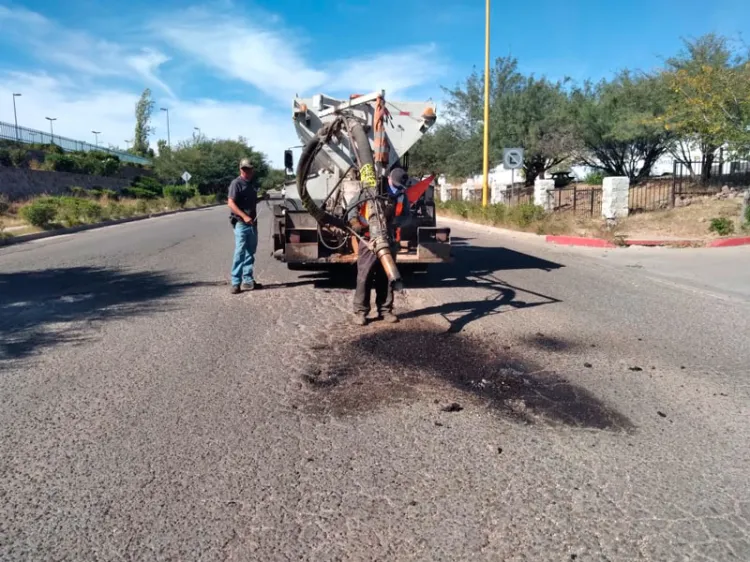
(525, 111)
(143, 129)
(213, 164)
(445, 150)
(707, 94)
(618, 124)
(274, 179)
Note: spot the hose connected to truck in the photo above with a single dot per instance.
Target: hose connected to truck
(380, 242)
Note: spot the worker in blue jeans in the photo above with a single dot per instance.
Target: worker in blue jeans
(243, 201)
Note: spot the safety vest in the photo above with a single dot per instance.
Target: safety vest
(400, 215)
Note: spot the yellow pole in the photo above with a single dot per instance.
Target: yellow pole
(485, 182)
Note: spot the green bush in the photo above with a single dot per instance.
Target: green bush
(73, 211)
(77, 191)
(18, 156)
(39, 213)
(61, 163)
(179, 194)
(594, 178)
(722, 226)
(747, 215)
(525, 214)
(138, 193)
(5, 157)
(147, 183)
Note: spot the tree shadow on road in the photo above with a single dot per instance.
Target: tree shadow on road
(43, 308)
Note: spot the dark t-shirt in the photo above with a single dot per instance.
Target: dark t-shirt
(245, 195)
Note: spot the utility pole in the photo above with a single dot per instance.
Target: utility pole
(485, 180)
(15, 116)
(169, 141)
(96, 136)
(51, 130)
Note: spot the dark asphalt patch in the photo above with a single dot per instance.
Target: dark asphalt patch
(390, 365)
(549, 343)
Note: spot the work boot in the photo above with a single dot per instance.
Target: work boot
(236, 290)
(251, 286)
(389, 317)
(360, 319)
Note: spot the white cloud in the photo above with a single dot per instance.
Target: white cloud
(240, 49)
(269, 57)
(80, 51)
(112, 111)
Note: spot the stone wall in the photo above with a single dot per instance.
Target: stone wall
(21, 183)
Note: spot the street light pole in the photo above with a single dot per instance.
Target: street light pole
(169, 141)
(51, 130)
(485, 182)
(96, 136)
(15, 115)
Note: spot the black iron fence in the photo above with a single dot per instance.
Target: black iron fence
(25, 135)
(579, 200)
(653, 195)
(690, 178)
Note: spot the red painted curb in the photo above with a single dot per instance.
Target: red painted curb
(728, 242)
(580, 241)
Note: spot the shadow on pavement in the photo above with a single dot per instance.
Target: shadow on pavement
(474, 267)
(356, 373)
(43, 308)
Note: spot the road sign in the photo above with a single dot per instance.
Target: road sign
(513, 158)
(186, 176)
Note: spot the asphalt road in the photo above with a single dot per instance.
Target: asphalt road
(536, 403)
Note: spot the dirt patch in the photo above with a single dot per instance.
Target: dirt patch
(381, 366)
(684, 222)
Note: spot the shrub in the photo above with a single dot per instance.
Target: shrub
(39, 213)
(110, 194)
(747, 215)
(179, 194)
(721, 226)
(525, 214)
(594, 178)
(18, 157)
(77, 191)
(138, 193)
(74, 210)
(147, 183)
(5, 157)
(61, 163)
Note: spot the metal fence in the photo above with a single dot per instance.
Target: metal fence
(579, 200)
(689, 179)
(653, 195)
(25, 135)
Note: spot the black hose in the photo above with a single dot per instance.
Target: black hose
(306, 160)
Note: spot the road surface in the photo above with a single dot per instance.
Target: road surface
(536, 403)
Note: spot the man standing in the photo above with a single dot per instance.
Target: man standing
(369, 270)
(243, 199)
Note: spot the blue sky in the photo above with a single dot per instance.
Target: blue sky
(231, 68)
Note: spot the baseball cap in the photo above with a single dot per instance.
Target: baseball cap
(399, 177)
(245, 163)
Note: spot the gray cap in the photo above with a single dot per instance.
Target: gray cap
(245, 163)
(399, 177)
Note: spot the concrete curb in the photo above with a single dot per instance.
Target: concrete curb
(495, 229)
(72, 230)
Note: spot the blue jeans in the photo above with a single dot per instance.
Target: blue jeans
(245, 245)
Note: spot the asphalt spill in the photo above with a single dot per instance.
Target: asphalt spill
(359, 371)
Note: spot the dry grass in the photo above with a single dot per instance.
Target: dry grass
(691, 222)
(684, 222)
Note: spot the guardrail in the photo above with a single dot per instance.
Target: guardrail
(25, 135)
